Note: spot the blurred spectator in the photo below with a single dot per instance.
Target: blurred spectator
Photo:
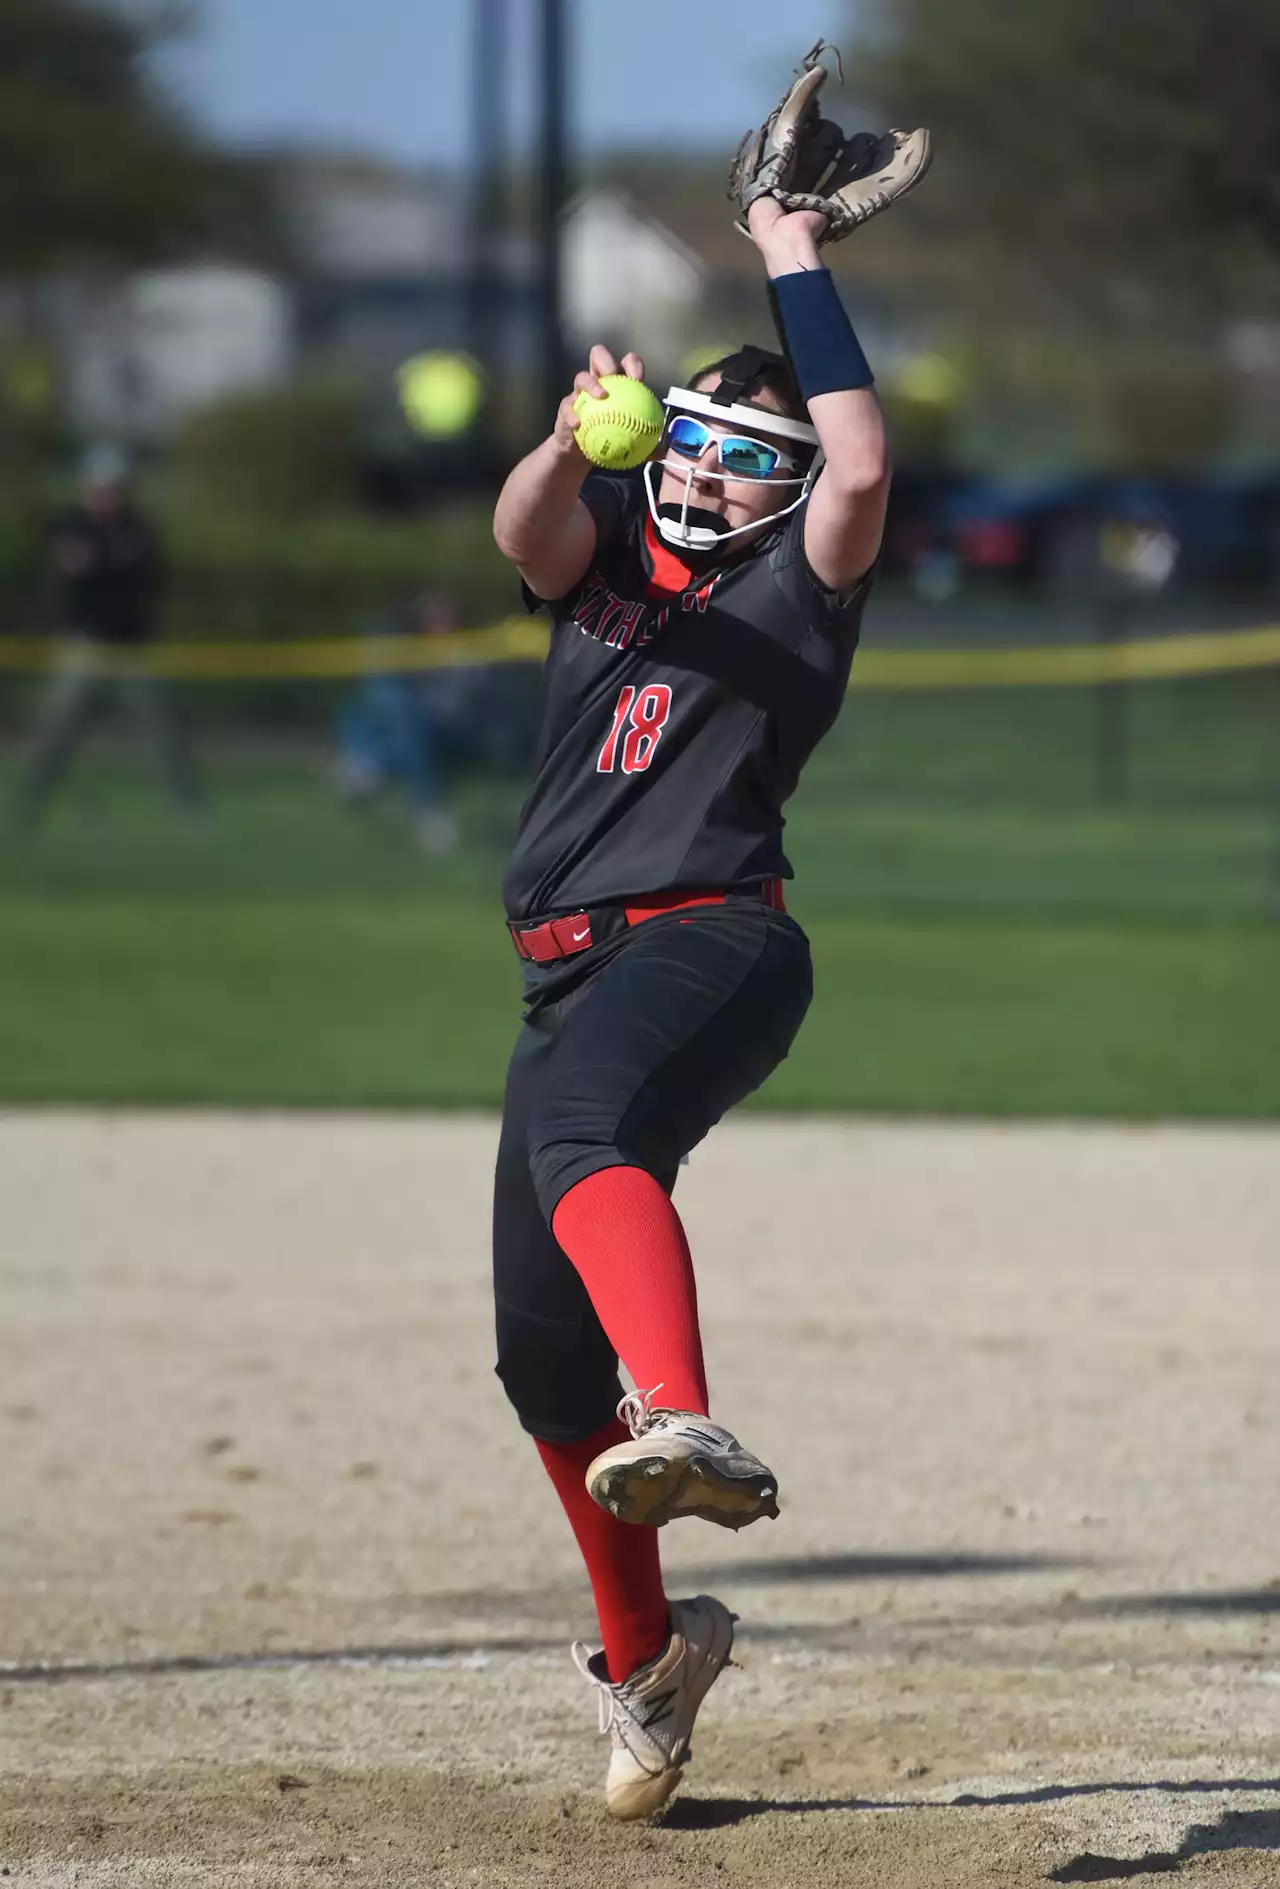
(398, 728)
(107, 564)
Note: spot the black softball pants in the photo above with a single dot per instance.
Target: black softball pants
(626, 1058)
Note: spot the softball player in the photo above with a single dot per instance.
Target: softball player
(704, 616)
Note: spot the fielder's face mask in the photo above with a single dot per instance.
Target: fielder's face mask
(788, 455)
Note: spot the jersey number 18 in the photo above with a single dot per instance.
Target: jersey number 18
(644, 715)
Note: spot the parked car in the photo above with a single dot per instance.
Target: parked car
(1082, 532)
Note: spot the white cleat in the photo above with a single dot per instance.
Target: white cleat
(649, 1717)
(678, 1463)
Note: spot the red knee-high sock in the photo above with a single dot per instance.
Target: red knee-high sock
(621, 1558)
(626, 1241)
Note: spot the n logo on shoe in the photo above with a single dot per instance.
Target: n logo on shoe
(659, 1709)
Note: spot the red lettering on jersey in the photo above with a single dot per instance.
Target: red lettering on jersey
(655, 625)
(700, 598)
(648, 719)
(647, 712)
(594, 599)
(631, 618)
(622, 709)
(608, 618)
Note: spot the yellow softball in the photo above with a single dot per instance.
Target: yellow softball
(621, 430)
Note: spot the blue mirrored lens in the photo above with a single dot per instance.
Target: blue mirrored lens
(748, 458)
(740, 457)
(688, 437)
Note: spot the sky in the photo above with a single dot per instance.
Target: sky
(391, 76)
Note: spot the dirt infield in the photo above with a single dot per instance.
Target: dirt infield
(284, 1598)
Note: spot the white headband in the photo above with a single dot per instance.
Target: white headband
(763, 421)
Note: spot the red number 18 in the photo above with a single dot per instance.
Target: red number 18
(647, 713)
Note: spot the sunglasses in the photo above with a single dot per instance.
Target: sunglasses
(739, 457)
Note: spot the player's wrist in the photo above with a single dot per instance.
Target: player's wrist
(786, 240)
(566, 464)
(787, 251)
(763, 218)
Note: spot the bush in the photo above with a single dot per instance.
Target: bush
(326, 574)
(280, 454)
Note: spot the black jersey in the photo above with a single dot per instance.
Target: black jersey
(108, 563)
(680, 708)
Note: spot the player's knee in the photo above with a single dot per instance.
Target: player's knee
(565, 1145)
(562, 1380)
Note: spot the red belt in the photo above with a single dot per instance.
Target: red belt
(564, 937)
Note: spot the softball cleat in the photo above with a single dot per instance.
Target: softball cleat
(649, 1717)
(679, 1463)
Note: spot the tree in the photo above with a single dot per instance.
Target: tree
(96, 165)
(1121, 157)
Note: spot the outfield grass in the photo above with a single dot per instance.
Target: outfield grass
(971, 958)
(317, 1000)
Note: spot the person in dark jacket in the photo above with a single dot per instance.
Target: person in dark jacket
(107, 565)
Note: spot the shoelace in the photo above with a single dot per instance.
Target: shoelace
(636, 1410)
(616, 1714)
(580, 1653)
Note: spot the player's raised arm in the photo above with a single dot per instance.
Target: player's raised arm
(541, 523)
(845, 519)
(800, 181)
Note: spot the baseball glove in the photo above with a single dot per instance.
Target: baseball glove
(807, 162)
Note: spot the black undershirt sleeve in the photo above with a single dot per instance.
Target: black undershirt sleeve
(800, 583)
(605, 497)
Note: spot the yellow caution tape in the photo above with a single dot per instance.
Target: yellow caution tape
(1068, 664)
(524, 639)
(517, 639)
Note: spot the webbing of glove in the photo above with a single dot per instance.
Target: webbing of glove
(765, 162)
(870, 173)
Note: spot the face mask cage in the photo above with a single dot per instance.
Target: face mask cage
(790, 435)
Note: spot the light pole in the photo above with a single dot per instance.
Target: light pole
(552, 60)
(483, 294)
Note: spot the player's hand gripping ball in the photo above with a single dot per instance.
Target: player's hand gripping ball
(621, 430)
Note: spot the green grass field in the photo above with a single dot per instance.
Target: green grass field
(980, 953)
